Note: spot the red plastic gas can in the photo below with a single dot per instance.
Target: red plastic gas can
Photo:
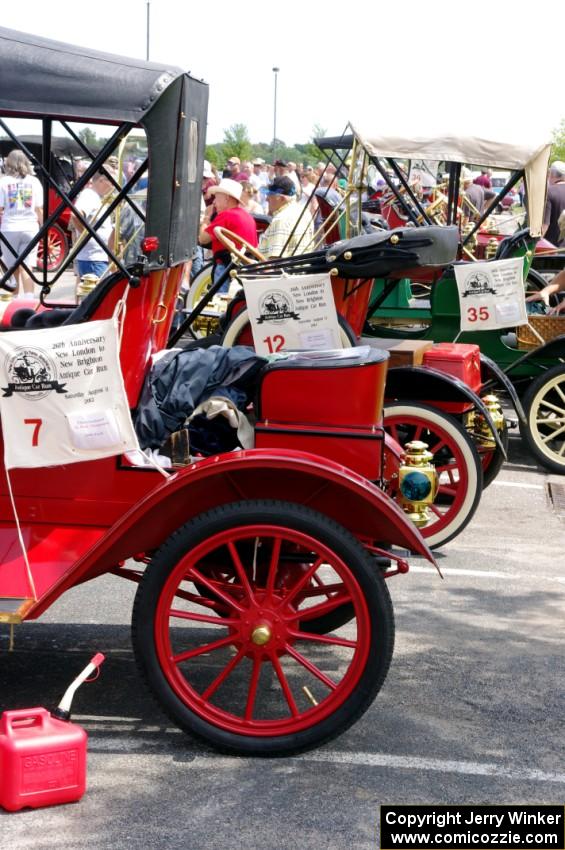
(42, 760)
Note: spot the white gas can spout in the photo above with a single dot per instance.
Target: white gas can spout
(63, 710)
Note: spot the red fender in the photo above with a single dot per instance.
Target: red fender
(293, 476)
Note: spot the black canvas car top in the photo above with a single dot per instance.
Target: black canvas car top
(41, 76)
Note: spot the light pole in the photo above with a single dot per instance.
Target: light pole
(275, 72)
(147, 30)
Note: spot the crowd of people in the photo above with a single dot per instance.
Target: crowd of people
(284, 198)
(245, 192)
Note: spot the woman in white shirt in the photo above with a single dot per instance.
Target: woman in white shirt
(21, 213)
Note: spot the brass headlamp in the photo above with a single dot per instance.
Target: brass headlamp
(479, 426)
(417, 482)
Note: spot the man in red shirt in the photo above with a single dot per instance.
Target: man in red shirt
(226, 212)
(484, 179)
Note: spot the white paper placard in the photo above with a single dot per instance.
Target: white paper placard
(491, 294)
(289, 313)
(62, 395)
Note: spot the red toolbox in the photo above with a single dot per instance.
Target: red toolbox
(327, 403)
(461, 360)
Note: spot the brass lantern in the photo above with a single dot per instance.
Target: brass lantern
(417, 482)
(481, 429)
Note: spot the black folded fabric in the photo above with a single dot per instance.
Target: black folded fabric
(181, 380)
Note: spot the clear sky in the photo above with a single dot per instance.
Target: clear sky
(433, 63)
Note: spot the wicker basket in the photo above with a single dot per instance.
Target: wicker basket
(547, 327)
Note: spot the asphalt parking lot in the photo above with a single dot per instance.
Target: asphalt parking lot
(471, 712)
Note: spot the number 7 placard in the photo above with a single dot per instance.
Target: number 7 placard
(491, 294)
(62, 396)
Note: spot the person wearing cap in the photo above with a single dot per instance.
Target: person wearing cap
(233, 170)
(227, 212)
(281, 169)
(555, 203)
(259, 176)
(92, 204)
(290, 231)
(287, 169)
(473, 196)
(291, 172)
(260, 180)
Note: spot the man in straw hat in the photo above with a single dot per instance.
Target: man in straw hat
(226, 212)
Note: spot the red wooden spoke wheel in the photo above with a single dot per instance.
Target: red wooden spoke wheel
(57, 249)
(238, 665)
(456, 460)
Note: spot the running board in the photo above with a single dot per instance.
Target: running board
(14, 609)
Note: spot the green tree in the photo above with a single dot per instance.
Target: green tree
(312, 152)
(236, 142)
(89, 137)
(558, 149)
(212, 154)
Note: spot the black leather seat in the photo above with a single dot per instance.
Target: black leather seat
(28, 319)
(381, 253)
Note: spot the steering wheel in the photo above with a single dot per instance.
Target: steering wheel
(226, 237)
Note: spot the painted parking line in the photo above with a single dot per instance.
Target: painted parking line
(469, 768)
(201, 761)
(519, 484)
(490, 574)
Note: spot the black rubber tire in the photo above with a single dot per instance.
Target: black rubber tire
(550, 386)
(379, 623)
(432, 417)
(240, 323)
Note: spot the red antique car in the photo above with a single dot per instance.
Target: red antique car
(262, 621)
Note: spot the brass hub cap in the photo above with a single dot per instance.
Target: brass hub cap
(261, 635)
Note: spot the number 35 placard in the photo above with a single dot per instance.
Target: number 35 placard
(491, 294)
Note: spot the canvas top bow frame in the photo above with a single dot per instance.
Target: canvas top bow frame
(59, 104)
(420, 172)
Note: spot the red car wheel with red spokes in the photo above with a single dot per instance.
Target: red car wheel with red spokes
(237, 666)
(57, 249)
(456, 461)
